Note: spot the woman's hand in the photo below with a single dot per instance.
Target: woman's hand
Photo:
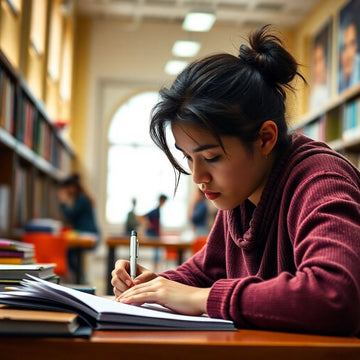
(121, 280)
(178, 297)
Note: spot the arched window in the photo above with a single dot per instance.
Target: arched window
(138, 169)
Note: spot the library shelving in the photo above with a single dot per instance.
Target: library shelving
(33, 155)
(337, 123)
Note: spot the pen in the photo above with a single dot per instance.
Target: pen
(134, 252)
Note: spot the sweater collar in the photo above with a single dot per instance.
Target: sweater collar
(249, 225)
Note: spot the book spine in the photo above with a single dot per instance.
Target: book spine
(12, 254)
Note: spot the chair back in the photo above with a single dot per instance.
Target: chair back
(48, 248)
(198, 243)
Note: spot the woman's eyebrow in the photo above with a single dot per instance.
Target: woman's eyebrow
(200, 148)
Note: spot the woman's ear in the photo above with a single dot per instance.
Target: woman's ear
(268, 135)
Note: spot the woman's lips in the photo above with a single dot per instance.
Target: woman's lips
(211, 195)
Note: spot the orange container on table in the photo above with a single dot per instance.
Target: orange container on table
(48, 248)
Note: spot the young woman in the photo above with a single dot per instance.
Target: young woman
(77, 209)
(284, 251)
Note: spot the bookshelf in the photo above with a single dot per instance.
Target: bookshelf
(336, 123)
(33, 155)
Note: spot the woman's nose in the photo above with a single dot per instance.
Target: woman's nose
(200, 174)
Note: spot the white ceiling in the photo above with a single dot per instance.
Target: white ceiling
(285, 13)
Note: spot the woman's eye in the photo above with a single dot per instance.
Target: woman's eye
(187, 157)
(213, 159)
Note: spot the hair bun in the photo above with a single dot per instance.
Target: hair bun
(267, 54)
(73, 179)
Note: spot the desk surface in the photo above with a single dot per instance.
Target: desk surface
(80, 242)
(173, 345)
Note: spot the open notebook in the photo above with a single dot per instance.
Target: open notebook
(103, 313)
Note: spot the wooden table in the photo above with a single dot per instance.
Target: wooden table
(176, 345)
(167, 242)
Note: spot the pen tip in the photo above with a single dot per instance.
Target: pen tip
(133, 233)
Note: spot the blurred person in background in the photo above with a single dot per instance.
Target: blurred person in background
(199, 214)
(132, 222)
(77, 208)
(152, 225)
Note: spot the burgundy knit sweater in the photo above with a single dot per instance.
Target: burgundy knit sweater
(293, 262)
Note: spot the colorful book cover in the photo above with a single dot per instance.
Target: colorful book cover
(15, 261)
(15, 245)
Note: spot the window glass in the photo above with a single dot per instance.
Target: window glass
(15, 5)
(66, 65)
(138, 169)
(55, 41)
(37, 26)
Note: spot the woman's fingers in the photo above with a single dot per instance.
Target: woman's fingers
(121, 280)
(140, 293)
(173, 295)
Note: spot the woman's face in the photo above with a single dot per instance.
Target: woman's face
(227, 178)
(71, 190)
(319, 65)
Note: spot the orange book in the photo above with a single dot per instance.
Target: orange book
(15, 260)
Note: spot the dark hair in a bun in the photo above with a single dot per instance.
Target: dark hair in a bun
(73, 179)
(229, 95)
(268, 55)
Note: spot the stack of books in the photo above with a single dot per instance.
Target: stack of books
(17, 321)
(16, 252)
(12, 275)
(43, 226)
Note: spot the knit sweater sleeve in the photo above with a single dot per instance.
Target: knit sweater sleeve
(323, 295)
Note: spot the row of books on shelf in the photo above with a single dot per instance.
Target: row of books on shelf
(4, 206)
(32, 197)
(24, 120)
(340, 124)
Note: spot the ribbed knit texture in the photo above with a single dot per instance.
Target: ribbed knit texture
(293, 262)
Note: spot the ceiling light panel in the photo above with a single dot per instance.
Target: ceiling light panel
(199, 21)
(184, 48)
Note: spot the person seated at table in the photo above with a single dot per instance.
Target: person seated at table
(199, 214)
(77, 208)
(284, 251)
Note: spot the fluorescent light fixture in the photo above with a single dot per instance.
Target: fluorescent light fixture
(174, 67)
(186, 48)
(199, 21)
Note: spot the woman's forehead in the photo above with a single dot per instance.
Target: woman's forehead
(193, 133)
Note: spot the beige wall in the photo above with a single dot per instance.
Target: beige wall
(10, 24)
(79, 104)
